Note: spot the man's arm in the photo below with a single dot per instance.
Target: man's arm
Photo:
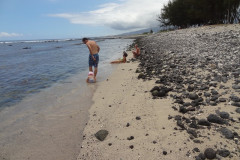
(98, 48)
(90, 50)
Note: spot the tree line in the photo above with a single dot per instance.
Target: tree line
(185, 13)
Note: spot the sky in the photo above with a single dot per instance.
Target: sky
(63, 19)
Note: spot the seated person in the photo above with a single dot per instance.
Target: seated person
(123, 60)
(136, 53)
(90, 78)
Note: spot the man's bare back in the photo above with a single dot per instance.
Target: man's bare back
(93, 47)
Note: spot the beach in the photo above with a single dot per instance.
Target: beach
(179, 100)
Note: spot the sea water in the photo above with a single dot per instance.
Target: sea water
(26, 67)
(44, 98)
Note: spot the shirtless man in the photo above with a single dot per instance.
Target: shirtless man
(136, 53)
(93, 56)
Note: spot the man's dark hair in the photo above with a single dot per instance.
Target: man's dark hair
(125, 54)
(84, 39)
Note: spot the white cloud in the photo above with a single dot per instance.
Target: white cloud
(125, 15)
(5, 34)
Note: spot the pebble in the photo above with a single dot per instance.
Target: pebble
(210, 153)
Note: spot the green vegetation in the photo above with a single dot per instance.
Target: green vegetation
(185, 13)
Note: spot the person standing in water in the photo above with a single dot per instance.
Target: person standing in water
(93, 56)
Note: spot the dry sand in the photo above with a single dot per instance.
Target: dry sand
(124, 107)
(118, 101)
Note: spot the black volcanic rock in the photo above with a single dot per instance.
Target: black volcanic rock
(227, 133)
(224, 115)
(236, 104)
(238, 110)
(101, 135)
(215, 119)
(141, 75)
(222, 99)
(155, 88)
(235, 98)
(201, 156)
(193, 96)
(155, 93)
(210, 153)
(223, 152)
(183, 109)
(206, 94)
(204, 122)
(192, 132)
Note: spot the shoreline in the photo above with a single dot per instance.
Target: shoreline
(50, 121)
(143, 126)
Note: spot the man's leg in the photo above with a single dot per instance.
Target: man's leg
(95, 72)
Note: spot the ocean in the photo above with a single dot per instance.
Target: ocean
(45, 99)
(27, 67)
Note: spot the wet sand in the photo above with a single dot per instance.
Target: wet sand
(47, 125)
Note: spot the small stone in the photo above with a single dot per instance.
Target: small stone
(238, 110)
(210, 153)
(235, 98)
(224, 115)
(236, 104)
(206, 94)
(130, 138)
(196, 141)
(215, 119)
(214, 92)
(155, 93)
(192, 132)
(182, 109)
(203, 122)
(201, 156)
(138, 118)
(223, 153)
(128, 124)
(101, 135)
(222, 99)
(236, 87)
(164, 152)
(227, 133)
(162, 93)
(141, 75)
(193, 96)
(196, 149)
(156, 88)
(131, 146)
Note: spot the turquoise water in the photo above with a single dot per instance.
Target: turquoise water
(26, 67)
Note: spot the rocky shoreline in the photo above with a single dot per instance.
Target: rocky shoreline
(199, 69)
(179, 100)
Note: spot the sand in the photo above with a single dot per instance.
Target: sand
(117, 102)
(141, 127)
